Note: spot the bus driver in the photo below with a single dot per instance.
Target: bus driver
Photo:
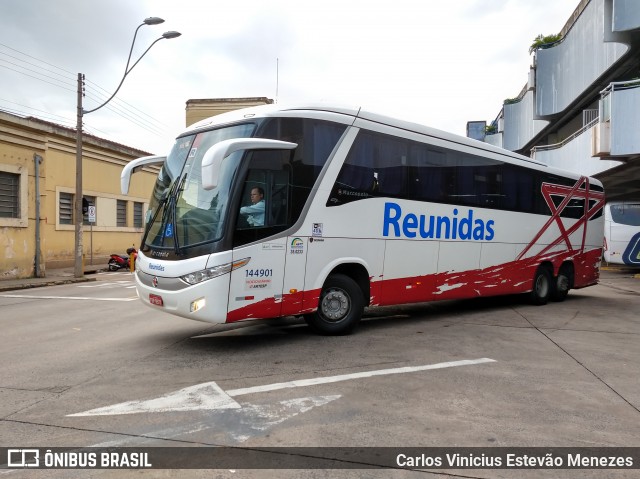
(255, 211)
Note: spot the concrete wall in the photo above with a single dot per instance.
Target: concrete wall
(625, 121)
(568, 68)
(575, 155)
(519, 124)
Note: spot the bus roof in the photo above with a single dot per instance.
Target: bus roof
(355, 113)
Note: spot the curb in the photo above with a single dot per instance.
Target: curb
(53, 282)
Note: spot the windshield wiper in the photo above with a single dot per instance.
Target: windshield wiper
(174, 217)
(164, 205)
(153, 219)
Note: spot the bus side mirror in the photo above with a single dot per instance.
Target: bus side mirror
(212, 159)
(135, 165)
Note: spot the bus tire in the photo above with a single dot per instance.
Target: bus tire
(340, 306)
(542, 286)
(562, 283)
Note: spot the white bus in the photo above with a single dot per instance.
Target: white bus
(359, 210)
(622, 233)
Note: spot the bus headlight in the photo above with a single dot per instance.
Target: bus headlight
(210, 273)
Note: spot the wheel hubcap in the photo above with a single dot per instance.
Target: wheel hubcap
(335, 305)
(563, 283)
(541, 286)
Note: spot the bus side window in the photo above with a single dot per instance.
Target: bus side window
(264, 208)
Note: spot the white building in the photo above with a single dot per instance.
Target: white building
(580, 107)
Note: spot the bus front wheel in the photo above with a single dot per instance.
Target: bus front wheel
(542, 286)
(340, 306)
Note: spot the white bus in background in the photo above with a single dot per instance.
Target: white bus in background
(622, 233)
(360, 210)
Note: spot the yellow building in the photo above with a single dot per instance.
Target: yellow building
(119, 218)
(197, 110)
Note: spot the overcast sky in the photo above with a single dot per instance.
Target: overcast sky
(440, 63)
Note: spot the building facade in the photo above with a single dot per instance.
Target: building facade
(197, 110)
(580, 107)
(37, 192)
(37, 189)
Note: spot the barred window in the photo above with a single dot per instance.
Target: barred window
(65, 208)
(137, 214)
(9, 195)
(121, 213)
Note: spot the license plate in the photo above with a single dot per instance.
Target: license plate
(155, 299)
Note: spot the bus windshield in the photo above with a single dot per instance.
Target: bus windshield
(626, 214)
(181, 212)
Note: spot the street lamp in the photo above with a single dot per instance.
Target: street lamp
(78, 267)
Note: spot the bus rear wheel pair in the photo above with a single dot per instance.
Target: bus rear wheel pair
(546, 287)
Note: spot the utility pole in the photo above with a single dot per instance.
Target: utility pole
(78, 270)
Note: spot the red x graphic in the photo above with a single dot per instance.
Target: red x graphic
(593, 202)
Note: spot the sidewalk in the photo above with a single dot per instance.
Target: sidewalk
(53, 277)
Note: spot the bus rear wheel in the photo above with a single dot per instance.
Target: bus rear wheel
(542, 286)
(340, 306)
(563, 283)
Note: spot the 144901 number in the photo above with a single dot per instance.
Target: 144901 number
(258, 273)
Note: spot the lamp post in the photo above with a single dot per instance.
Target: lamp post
(78, 214)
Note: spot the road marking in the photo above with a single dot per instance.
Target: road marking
(107, 284)
(66, 297)
(347, 377)
(192, 398)
(250, 421)
(208, 396)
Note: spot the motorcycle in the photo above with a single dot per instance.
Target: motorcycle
(118, 261)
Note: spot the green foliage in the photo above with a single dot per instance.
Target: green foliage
(490, 129)
(544, 40)
(510, 101)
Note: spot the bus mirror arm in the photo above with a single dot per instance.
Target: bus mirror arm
(135, 165)
(212, 159)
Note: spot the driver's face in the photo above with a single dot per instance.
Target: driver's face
(255, 196)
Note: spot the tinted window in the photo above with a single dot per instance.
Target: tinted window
(387, 166)
(626, 214)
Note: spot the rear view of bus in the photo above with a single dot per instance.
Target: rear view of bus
(622, 233)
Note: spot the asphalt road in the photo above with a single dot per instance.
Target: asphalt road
(88, 365)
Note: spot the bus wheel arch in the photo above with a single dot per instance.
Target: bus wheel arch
(341, 304)
(542, 286)
(563, 282)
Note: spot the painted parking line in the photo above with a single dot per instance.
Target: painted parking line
(78, 298)
(210, 396)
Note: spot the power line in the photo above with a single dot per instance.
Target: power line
(150, 128)
(122, 101)
(126, 112)
(46, 117)
(42, 61)
(40, 111)
(116, 107)
(37, 78)
(37, 66)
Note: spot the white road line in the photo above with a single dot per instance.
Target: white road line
(347, 377)
(210, 396)
(65, 297)
(107, 284)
